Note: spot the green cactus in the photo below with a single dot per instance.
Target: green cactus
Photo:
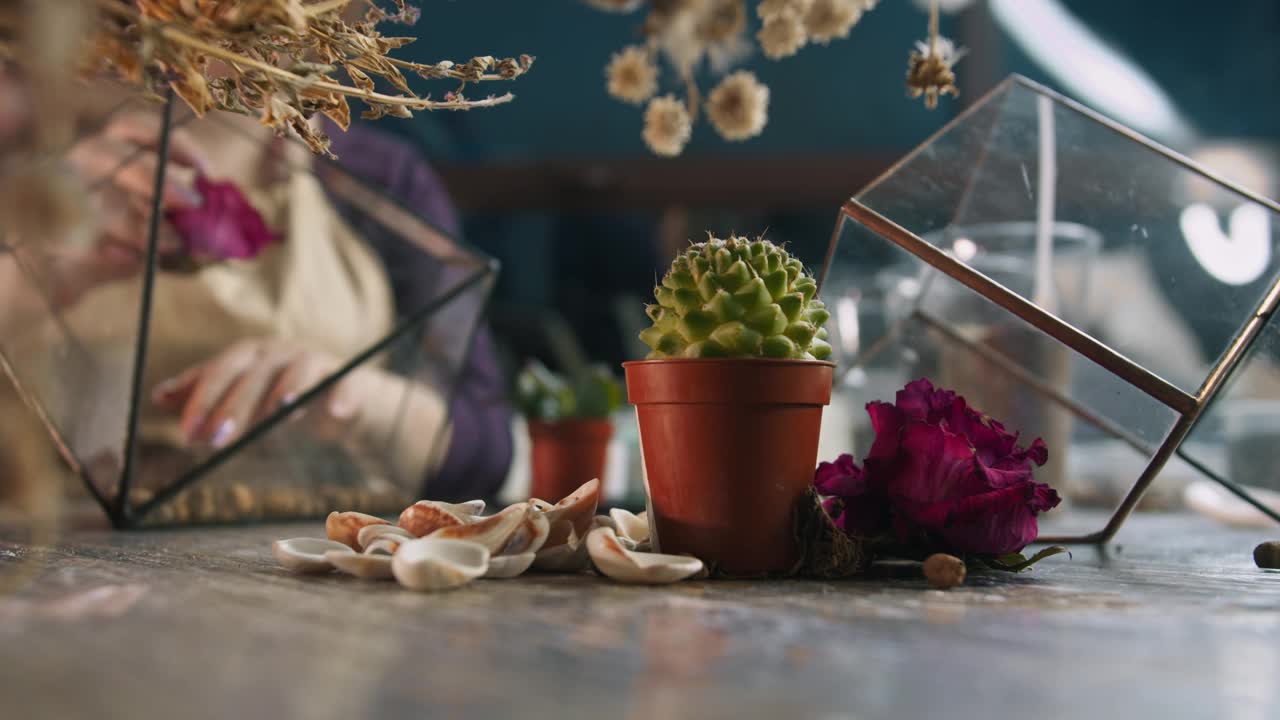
(737, 298)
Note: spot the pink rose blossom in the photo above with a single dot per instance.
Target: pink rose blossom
(224, 226)
(941, 472)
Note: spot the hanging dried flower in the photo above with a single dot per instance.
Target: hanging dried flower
(667, 126)
(683, 34)
(721, 20)
(782, 35)
(828, 20)
(929, 70)
(739, 106)
(277, 59)
(632, 75)
(769, 8)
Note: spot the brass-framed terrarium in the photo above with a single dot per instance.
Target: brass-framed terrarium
(89, 370)
(1073, 278)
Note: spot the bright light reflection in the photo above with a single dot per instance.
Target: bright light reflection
(965, 248)
(1236, 257)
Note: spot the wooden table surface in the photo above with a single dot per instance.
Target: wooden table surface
(1171, 621)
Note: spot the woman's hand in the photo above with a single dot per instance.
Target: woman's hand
(219, 399)
(118, 166)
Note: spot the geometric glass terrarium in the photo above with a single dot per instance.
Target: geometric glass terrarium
(91, 363)
(1080, 283)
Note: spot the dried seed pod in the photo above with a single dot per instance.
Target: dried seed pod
(944, 571)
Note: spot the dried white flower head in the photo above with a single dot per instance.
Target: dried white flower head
(739, 106)
(720, 20)
(929, 70)
(667, 126)
(828, 20)
(782, 35)
(769, 8)
(632, 75)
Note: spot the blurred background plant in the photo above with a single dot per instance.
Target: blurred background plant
(548, 397)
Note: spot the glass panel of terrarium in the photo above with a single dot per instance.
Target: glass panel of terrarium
(351, 267)
(72, 303)
(1238, 436)
(1135, 248)
(896, 318)
(377, 460)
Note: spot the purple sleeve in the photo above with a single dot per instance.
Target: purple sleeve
(480, 451)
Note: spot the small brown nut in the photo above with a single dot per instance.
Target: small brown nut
(343, 527)
(944, 571)
(1267, 555)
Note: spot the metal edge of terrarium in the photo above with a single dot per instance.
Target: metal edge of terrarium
(1143, 140)
(1153, 385)
(217, 458)
(123, 506)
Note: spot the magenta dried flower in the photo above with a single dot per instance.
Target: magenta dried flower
(224, 226)
(939, 471)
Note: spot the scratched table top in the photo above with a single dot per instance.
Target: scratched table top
(1172, 620)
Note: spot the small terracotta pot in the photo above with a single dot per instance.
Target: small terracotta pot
(729, 448)
(567, 453)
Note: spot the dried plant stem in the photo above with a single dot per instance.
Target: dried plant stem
(321, 8)
(693, 96)
(177, 36)
(933, 27)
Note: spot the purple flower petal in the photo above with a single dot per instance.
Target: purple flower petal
(224, 226)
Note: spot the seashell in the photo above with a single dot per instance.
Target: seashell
(307, 555)
(366, 566)
(439, 564)
(492, 532)
(425, 517)
(629, 525)
(574, 511)
(385, 545)
(569, 556)
(612, 559)
(509, 566)
(343, 527)
(369, 533)
(469, 509)
(529, 536)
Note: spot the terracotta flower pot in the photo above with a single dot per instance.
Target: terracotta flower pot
(729, 448)
(567, 453)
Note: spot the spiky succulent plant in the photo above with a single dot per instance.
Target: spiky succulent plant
(737, 298)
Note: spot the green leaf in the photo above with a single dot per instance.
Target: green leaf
(1017, 562)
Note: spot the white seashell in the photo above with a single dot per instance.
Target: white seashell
(492, 532)
(367, 566)
(385, 545)
(369, 533)
(345, 527)
(468, 509)
(529, 536)
(575, 511)
(307, 555)
(425, 517)
(629, 525)
(612, 559)
(439, 564)
(509, 566)
(567, 557)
